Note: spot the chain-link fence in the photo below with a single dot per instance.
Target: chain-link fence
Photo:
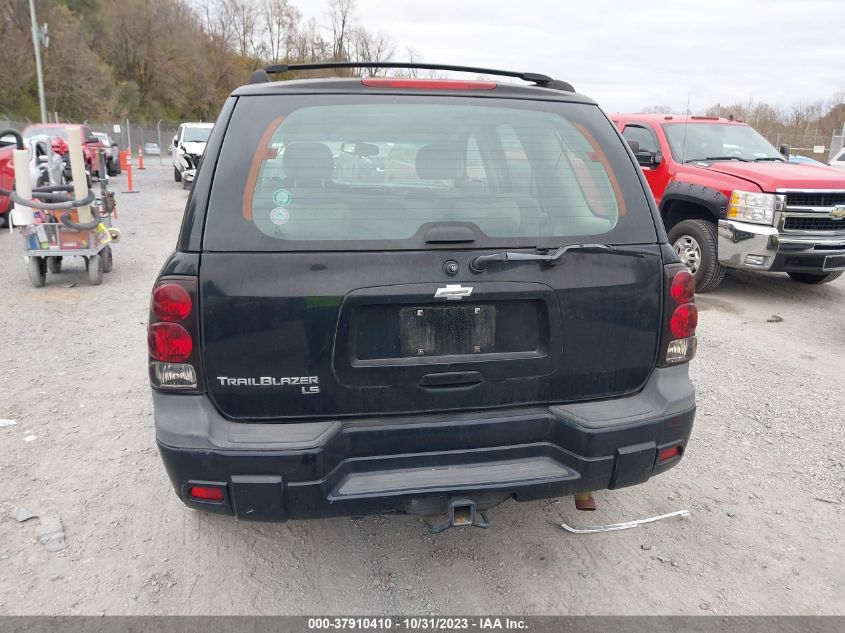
(154, 138)
(820, 146)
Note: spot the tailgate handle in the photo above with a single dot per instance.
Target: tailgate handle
(451, 379)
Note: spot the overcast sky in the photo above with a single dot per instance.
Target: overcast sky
(628, 54)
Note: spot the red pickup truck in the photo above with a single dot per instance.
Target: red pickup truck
(729, 199)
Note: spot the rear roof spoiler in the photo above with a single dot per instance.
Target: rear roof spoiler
(262, 75)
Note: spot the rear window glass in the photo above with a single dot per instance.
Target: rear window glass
(307, 172)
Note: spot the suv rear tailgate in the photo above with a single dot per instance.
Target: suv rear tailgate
(308, 336)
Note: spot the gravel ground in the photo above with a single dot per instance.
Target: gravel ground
(763, 477)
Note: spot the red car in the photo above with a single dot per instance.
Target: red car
(90, 143)
(729, 199)
(7, 181)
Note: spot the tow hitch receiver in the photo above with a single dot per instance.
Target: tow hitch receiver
(461, 513)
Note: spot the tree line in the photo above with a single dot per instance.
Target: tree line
(164, 59)
(179, 59)
(803, 124)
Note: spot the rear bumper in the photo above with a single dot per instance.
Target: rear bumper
(760, 247)
(273, 472)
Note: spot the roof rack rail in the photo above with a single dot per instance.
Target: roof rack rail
(262, 75)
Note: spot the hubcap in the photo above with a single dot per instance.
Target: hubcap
(689, 251)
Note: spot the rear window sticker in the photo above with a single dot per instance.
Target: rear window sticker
(281, 197)
(279, 215)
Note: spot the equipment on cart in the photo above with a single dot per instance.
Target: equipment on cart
(60, 221)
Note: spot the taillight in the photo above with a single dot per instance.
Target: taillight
(427, 84)
(169, 342)
(171, 302)
(679, 342)
(172, 335)
(683, 287)
(683, 321)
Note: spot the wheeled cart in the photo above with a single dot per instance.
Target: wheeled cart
(96, 252)
(52, 230)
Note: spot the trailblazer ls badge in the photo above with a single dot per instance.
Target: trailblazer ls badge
(308, 385)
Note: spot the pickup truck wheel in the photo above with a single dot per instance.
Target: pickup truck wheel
(810, 278)
(177, 175)
(695, 243)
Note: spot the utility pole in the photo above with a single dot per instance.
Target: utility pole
(36, 43)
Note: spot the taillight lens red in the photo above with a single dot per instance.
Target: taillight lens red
(206, 493)
(683, 287)
(684, 321)
(668, 453)
(169, 342)
(171, 302)
(427, 84)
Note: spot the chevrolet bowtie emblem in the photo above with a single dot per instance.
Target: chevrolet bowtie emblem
(453, 292)
(838, 212)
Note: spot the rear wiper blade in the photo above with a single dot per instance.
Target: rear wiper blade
(550, 258)
(708, 158)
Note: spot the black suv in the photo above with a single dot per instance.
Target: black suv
(417, 295)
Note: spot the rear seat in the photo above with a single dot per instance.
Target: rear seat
(322, 209)
(495, 215)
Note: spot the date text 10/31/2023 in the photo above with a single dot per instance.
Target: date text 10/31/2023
(417, 624)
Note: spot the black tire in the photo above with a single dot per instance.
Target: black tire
(95, 270)
(688, 235)
(111, 170)
(4, 220)
(177, 175)
(107, 257)
(37, 271)
(54, 265)
(813, 278)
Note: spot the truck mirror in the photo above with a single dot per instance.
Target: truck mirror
(647, 158)
(785, 149)
(635, 146)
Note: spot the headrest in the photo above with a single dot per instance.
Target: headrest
(440, 161)
(308, 161)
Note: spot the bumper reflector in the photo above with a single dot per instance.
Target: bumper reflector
(668, 453)
(681, 350)
(205, 493)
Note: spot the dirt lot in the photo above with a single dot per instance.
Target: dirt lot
(763, 477)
